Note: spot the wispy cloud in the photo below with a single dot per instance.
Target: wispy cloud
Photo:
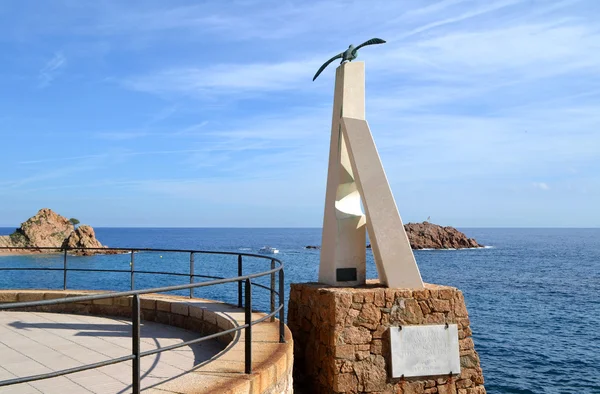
(225, 79)
(540, 185)
(51, 69)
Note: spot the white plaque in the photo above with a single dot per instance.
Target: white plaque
(424, 350)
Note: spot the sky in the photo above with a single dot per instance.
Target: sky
(204, 114)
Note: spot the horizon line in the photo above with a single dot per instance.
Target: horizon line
(318, 227)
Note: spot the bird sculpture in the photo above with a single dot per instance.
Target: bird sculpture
(349, 54)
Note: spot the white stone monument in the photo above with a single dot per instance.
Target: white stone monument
(356, 175)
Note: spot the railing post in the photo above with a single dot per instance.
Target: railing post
(248, 313)
(65, 270)
(135, 344)
(191, 274)
(131, 264)
(282, 304)
(239, 281)
(272, 290)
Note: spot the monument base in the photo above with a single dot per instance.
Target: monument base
(342, 343)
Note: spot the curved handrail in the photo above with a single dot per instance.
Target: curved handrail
(137, 354)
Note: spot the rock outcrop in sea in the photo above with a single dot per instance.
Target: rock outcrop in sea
(49, 229)
(432, 236)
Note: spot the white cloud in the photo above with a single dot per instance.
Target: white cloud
(541, 185)
(51, 69)
(225, 78)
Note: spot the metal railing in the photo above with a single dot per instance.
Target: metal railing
(244, 282)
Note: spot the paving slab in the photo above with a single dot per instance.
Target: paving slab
(37, 342)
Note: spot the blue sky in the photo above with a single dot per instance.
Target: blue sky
(200, 114)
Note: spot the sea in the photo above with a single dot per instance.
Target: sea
(533, 295)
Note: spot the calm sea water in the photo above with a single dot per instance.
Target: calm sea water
(533, 298)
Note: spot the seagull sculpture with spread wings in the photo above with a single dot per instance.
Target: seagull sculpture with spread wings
(349, 54)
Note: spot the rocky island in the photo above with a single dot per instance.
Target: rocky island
(49, 229)
(432, 236)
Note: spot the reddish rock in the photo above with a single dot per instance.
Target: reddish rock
(45, 229)
(356, 335)
(49, 229)
(85, 237)
(431, 236)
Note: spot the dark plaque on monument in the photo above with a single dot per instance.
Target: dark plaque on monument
(345, 274)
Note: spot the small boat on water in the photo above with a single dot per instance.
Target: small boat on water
(268, 250)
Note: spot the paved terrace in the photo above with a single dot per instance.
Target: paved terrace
(35, 342)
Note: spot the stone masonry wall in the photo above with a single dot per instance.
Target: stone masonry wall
(341, 338)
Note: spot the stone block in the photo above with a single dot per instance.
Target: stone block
(413, 387)
(376, 346)
(446, 294)
(344, 351)
(466, 344)
(210, 317)
(435, 318)
(476, 390)
(424, 307)
(8, 297)
(223, 322)
(148, 314)
(369, 316)
(177, 320)
(29, 297)
(103, 301)
(407, 311)
(51, 295)
(147, 304)
(196, 312)
(440, 305)
(460, 310)
(449, 388)
(371, 373)
(162, 317)
(421, 294)
(356, 336)
(179, 308)
(469, 360)
(379, 331)
(379, 298)
(345, 383)
(163, 306)
(122, 301)
(344, 299)
(464, 383)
